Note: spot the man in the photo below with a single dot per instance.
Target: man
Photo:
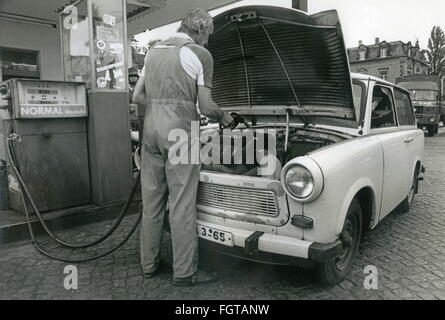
(133, 77)
(381, 111)
(177, 73)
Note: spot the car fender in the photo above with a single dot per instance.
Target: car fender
(416, 160)
(347, 168)
(419, 149)
(361, 183)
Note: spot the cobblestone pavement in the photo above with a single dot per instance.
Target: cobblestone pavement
(408, 250)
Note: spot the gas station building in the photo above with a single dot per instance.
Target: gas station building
(69, 116)
(84, 156)
(33, 27)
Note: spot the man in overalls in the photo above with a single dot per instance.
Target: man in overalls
(177, 73)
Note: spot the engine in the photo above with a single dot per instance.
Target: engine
(258, 151)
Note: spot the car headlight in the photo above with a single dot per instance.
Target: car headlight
(432, 119)
(302, 179)
(299, 181)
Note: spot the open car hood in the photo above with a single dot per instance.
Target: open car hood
(271, 61)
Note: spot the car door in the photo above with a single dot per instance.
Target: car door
(414, 138)
(384, 125)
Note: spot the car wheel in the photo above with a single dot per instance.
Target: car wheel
(333, 271)
(406, 204)
(436, 129)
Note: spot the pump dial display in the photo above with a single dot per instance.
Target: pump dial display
(50, 99)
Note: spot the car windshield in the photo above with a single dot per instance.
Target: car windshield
(423, 95)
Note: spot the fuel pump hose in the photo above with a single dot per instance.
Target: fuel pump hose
(26, 194)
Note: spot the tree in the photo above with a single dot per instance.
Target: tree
(135, 48)
(138, 51)
(436, 51)
(151, 44)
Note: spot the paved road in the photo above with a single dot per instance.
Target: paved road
(407, 249)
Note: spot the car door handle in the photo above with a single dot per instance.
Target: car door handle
(409, 140)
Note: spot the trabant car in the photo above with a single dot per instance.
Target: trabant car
(347, 148)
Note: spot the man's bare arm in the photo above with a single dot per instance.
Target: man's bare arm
(210, 108)
(139, 95)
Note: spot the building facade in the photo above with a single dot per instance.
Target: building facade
(300, 5)
(388, 60)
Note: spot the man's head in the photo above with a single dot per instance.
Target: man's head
(375, 102)
(133, 75)
(377, 97)
(380, 100)
(198, 24)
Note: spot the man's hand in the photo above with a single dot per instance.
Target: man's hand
(226, 120)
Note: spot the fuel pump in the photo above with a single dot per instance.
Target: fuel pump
(94, 42)
(50, 142)
(60, 153)
(46, 147)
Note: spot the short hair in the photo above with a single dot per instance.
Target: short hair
(195, 20)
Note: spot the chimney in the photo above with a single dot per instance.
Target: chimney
(360, 42)
(377, 40)
(300, 5)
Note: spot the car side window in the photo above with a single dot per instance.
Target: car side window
(404, 108)
(382, 108)
(358, 90)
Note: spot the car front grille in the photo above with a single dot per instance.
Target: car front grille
(237, 199)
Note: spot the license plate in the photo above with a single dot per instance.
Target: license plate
(215, 235)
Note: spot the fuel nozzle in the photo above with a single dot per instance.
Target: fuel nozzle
(237, 119)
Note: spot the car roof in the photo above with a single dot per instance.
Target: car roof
(361, 76)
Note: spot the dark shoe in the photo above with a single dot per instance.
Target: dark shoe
(149, 275)
(200, 277)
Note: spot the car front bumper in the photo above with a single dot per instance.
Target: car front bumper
(271, 248)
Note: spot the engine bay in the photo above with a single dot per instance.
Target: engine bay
(246, 151)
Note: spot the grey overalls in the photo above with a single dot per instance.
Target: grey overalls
(171, 104)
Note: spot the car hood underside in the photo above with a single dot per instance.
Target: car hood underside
(270, 60)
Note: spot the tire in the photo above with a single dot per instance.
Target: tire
(436, 129)
(406, 204)
(333, 271)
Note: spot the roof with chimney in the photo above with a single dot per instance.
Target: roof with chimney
(394, 49)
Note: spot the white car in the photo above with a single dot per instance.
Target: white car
(348, 148)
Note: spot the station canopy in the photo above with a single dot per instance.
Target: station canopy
(141, 14)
